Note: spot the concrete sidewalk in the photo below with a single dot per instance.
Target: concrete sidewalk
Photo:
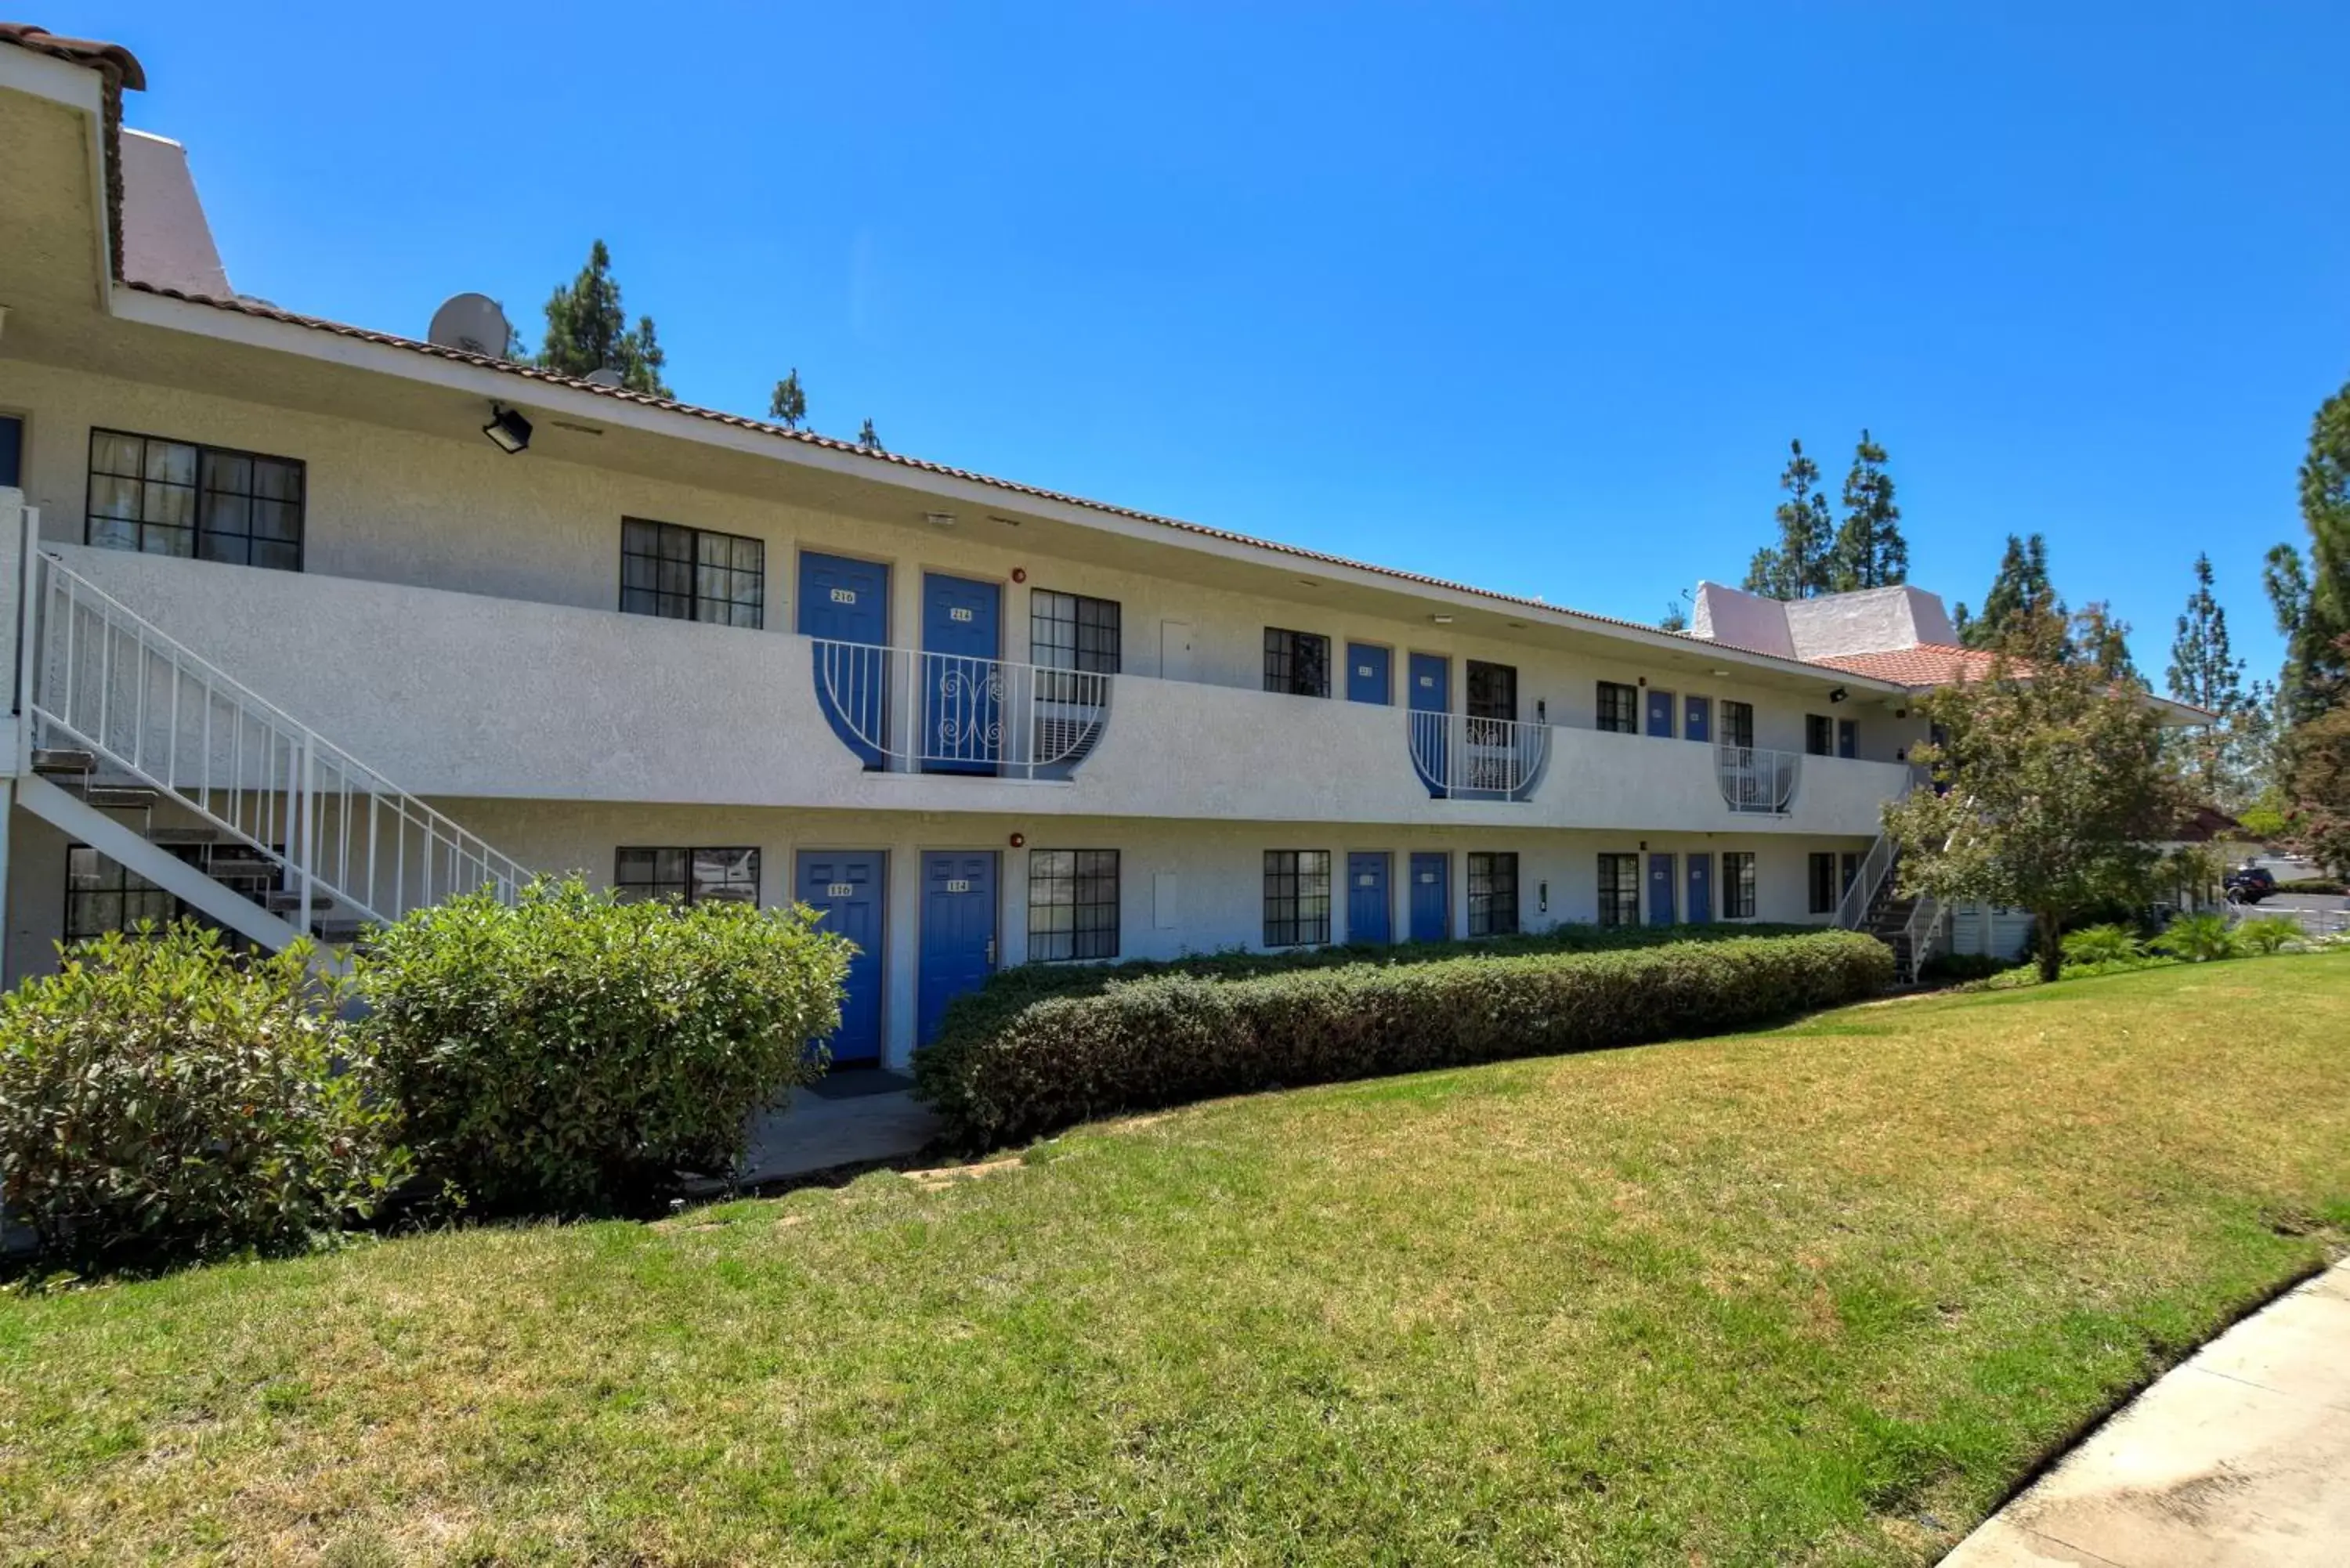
(2239, 1456)
(817, 1134)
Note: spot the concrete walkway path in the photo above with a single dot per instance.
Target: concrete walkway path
(2239, 1456)
(813, 1134)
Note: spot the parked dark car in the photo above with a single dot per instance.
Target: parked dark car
(2250, 884)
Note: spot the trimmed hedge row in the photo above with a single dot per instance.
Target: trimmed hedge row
(1012, 1063)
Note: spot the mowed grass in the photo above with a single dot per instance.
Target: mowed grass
(1821, 1294)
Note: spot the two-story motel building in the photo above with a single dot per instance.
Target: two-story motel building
(301, 645)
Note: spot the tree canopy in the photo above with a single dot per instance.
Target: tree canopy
(1869, 551)
(1796, 567)
(787, 405)
(588, 331)
(2020, 594)
(2221, 758)
(2053, 782)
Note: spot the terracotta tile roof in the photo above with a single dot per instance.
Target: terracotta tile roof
(831, 444)
(80, 51)
(1927, 664)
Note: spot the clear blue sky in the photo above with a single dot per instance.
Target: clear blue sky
(1529, 299)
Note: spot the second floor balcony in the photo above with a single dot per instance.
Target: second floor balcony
(903, 711)
(1461, 757)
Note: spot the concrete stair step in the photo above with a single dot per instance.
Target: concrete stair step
(54, 760)
(287, 903)
(119, 797)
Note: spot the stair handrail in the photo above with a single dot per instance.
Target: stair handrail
(1925, 925)
(1860, 900)
(307, 750)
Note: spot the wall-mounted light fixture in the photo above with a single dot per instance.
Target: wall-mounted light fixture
(1542, 897)
(1837, 695)
(939, 519)
(1440, 619)
(507, 428)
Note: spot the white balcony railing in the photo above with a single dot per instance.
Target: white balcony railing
(1462, 758)
(1757, 780)
(900, 711)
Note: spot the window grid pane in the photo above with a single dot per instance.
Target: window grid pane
(176, 498)
(1619, 707)
(1297, 897)
(1071, 631)
(692, 573)
(1823, 883)
(1819, 734)
(1296, 663)
(1492, 691)
(1737, 885)
(1619, 889)
(1493, 895)
(1072, 904)
(1737, 723)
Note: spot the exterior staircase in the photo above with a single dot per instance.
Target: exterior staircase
(1910, 926)
(130, 742)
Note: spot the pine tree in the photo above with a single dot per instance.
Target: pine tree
(2020, 592)
(1675, 619)
(866, 438)
(2221, 753)
(789, 404)
(1797, 567)
(1869, 551)
(2312, 594)
(586, 331)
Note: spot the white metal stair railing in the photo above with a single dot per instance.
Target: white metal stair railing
(100, 677)
(1459, 756)
(903, 711)
(1925, 928)
(1859, 900)
(1757, 780)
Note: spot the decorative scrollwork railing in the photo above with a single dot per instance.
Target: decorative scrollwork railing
(900, 711)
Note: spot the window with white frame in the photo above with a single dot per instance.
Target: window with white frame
(1072, 904)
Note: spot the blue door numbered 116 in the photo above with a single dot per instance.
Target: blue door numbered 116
(845, 886)
(963, 686)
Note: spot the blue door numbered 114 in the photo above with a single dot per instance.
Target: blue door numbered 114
(1368, 899)
(958, 931)
(845, 886)
(963, 686)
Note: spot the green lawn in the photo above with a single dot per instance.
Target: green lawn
(1821, 1294)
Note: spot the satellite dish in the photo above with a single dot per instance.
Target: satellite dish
(606, 377)
(472, 323)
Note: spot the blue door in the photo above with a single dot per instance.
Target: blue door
(1697, 718)
(1847, 737)
(1660, 713)
(1699, 877)
(1367, 669)
(958, 931)
(963, 700)
(1432, 895)
(1368, 903)
(1660, 891)
(845, 605)
(1431, 692)
(845, 886)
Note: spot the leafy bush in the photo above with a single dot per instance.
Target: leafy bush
(162, 1098)
(2100, 944)
(2324, 885)
(2197, 939)
(1009, 1062)
(1949, 969)
(2270, 934)
(573, 1051)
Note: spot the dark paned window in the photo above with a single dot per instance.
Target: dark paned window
(1492, 691)
(1297, 662)
(692, 573)
(1737, 885)
(1823, 883)
(1819, 735)
(1619, 889)
(1847, 737)
(1072, 904)
(1619, 707)
(1493, 895)
(688, 876)
(1070, 632)
(177, 498)
(1297, 897)
(103, 896)
(1737, 723)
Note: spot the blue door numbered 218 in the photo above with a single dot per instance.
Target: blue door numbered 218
(963, 695)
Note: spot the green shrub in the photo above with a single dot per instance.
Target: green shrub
(1948, 968)
(2100, 944)
(2327, 884)
(162, 1098)
(2270, 934)
(572, 1052)
(1010, 1063)
(2198, 938)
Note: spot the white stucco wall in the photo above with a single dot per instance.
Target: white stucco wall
(1871, 620)
(166, 239)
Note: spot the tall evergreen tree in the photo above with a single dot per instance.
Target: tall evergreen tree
(867, 438)
(787, 405)
(588, 331)
(1797, 567)
(2313, 599)
(2020, 592)
(1869, 551)
(2205, 671)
